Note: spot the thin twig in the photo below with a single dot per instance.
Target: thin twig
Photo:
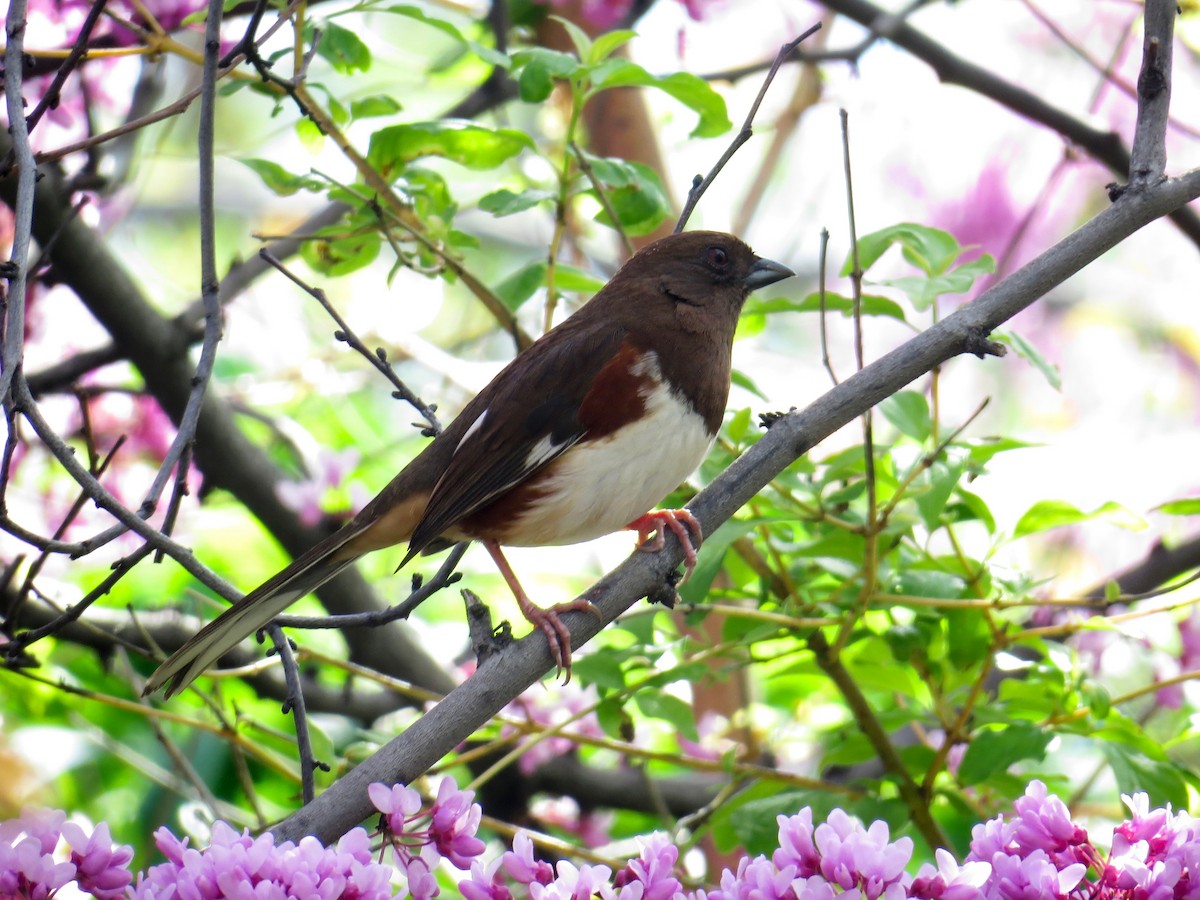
(294, 704)
(378, 358)
(444, 578)
(700, 184)
(51, 97)
(822, 259)
(12, 349)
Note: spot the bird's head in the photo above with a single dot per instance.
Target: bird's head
(700, 278)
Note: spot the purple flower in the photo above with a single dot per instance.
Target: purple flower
(1044, 823)
(991, 837)
(950, 881)
(454, 823)
(399, 804)
(101, 868)
(796, 847)
(486, 882)
(520, 864)
(304, 497)
(573, 883)
(238, 865)
(560, 710)
(756, 879)
(43, 826)
(28, 872)
(28, 868)
(854, 857)
(653, 868)
(420, 878)
(817, 888)
(1033, 878)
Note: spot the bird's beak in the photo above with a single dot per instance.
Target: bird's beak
(764, 272)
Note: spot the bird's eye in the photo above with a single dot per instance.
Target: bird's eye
(716, 257)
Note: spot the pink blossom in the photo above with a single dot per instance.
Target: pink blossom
(520, 864)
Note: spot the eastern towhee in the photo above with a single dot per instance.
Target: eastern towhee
(579, 436)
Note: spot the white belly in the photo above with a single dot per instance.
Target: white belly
(599, 487)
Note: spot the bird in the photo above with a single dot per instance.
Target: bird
(580, 435)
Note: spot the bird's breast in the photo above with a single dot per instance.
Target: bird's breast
(601, 484)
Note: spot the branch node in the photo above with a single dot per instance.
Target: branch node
(979, 344)
(486, 640)
(767, 419)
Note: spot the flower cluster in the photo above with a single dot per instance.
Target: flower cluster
(31, 866)
(1038, 852)
(238, 865)
(422, 837)
(1041, 853)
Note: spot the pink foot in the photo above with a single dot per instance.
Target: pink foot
(557, 635)
(681, 522)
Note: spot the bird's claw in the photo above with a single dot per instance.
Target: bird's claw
(651, 530)
(557, 634)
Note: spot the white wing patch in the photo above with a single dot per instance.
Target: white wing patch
(545, 449)
(475, 426)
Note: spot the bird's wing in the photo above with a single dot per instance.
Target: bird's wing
(520, 426)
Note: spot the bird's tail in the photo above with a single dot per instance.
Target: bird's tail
(249, 614)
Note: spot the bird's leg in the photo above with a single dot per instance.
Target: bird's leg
(557, 635)
(682, 523)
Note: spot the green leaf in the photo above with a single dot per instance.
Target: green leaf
(340, 256)
(606, 44)
(343, 49)
(1134, 772)
(521, 285)
(710, 556)
(538, 68)
(1032, 355)
(1047, 514)
(487, 54)
(579, 37)
(505, 202)
(909, 412)
(419, 15)
(932, 583)
(524, 283)
(310, 135)
(614, 719)
(943, 479)
(468, 144)
(659, 705)
(929, 249)
(872, 305)
(968, 637)
(992, 751)
(279, 179)
(635, 193)
(1189, 506)
(601, 669)
(374, 106)
(690, 90)
(745, 382)
(969, 506)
